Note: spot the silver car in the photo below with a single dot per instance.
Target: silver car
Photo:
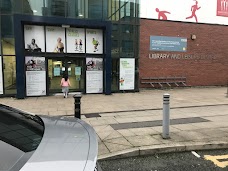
(34, 143)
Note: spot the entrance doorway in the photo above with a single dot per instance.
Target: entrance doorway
(74, 68)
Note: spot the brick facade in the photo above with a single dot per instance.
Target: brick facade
(208, 67)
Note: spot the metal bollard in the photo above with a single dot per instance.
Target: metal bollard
(77, 105)
(166, 120)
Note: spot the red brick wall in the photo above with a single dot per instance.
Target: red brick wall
(210, 40)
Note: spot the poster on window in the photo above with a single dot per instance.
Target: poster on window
(35, 76)
(1, 79)
(34, 38)
(55, 39)
(35, 83)
(127, 74)
(94, 81)
(94, 41)
(94, 64)
(35, 63)
(75, 40)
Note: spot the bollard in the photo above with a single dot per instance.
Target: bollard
(77, 105)
(166, 121)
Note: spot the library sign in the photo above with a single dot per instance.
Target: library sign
(180, 56)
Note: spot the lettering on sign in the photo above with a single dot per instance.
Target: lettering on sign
(179, 56)
(215, 159)
(91, 32)
(28, 28)
(50, 29)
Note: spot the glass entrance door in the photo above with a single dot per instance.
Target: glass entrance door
(74, 68)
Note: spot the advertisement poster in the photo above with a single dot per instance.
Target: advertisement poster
(196, 11)
(164, 43)
(55, 39)
(94, 81)
(94, 64)
(35, 63)
(222, 8)
(127, 74)
(35, 83)
(75, 40)
(1, 78)
(94, 41)
(34, 38)
(35, 76)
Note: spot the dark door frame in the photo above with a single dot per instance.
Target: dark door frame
(21, 20)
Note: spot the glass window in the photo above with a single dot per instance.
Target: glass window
(5, 7)
(33, 7)
(127, 10)
(9, 74)
(8, 46)
(7, 26)
(17, 6)
(115, 49)
(56, 7)
(115, 74)
(95, 9)
(127, 46)
(76, 8)
(113, 10)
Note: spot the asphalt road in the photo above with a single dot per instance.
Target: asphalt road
(185, 161)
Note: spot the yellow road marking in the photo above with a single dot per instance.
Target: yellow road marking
(215, 159)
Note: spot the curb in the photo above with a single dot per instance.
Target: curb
(156, 149)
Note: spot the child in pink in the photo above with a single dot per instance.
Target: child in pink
(65, 83)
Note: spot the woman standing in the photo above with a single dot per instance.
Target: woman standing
(65, 83)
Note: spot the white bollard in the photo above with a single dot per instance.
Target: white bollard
(166, 120)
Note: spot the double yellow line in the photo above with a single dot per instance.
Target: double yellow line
(215, 160)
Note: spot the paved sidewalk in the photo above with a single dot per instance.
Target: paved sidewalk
(129, 124)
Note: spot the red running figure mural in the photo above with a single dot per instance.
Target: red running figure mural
(194, 8)
(162, 14)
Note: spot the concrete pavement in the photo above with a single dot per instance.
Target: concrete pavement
(129, 124)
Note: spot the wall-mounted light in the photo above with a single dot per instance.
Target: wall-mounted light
(193, 37)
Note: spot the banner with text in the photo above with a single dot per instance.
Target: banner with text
(202, 11)
(35, 76)
(127, 74)
(94, 75)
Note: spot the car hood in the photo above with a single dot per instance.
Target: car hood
(67, 144)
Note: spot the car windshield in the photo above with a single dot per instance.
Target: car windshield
(20, 133)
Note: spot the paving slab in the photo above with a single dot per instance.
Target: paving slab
(208, 104)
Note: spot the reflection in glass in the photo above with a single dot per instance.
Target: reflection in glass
(9, 71)
(8, 46)
(55, 7)
(6, 26)
(95, 9)
(76, 8)
(35, 7)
